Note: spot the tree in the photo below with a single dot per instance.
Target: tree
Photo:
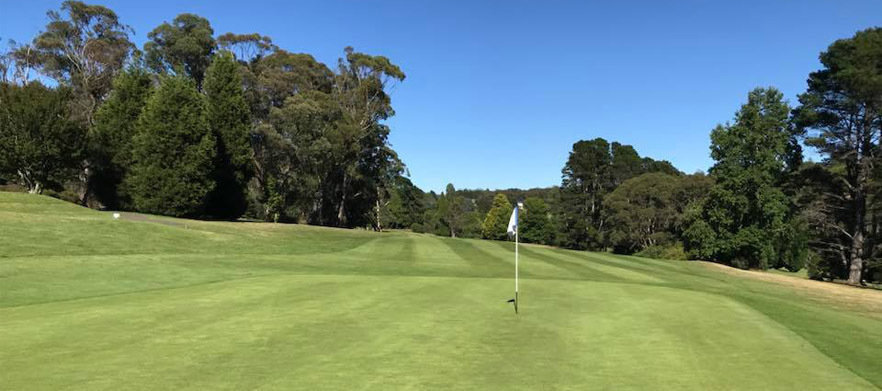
(273, 78)
(173, 151)
(841, 113)
(496, 221)
(229, 120)
(110, 140)
(85, 48)
(404, 206)
(746, 212)
(182, 47)
(360, 149)
(292, 154)
(593, 169)
(536, 224)
(452, 211)
(642, 212)
(246, 47)
(39, 144)
(585, 181)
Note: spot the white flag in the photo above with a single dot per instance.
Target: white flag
(513, 222)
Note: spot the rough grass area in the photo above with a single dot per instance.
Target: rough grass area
(89, 302)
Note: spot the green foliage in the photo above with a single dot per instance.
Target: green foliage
(230, 121)
(40, 145)
(404, 207)
(496, 221)
(173, 152)
(182, 47)
(673, 250)
(642, 212)
(537, 224)
(452, 212)
(747, 213)
(593, 169)
(83, 46)
(841, 113)
(110, 139)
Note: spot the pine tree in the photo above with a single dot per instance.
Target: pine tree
(173, 151)
(229, 119)
(496, 222)
(110, 140)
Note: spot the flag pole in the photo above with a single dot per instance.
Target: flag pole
(516, 270)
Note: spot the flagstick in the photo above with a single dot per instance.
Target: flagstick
(516, 270)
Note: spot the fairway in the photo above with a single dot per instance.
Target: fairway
(144, 302)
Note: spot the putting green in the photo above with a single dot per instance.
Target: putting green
(88, 302)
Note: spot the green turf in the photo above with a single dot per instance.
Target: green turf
(87, 302)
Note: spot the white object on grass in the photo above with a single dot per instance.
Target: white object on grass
(116, 216)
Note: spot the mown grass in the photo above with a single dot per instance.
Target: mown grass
(89, 302)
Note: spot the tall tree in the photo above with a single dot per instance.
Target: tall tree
(841, 111)
(39, 144)
(496, 221)
(292, 155)
(746, 211)
(360, 147)
(452, 211)
(585, 182)
(173, 151)
(110, 140)
(229, 119)
(536, 225)
(83, 46)
(182, 47)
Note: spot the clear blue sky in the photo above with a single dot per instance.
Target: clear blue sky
(498, 91)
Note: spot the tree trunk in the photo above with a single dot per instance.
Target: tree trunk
(341, 209)
(379, 226)
(856, 265)
(856, 250)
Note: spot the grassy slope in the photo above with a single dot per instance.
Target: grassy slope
(92, 303)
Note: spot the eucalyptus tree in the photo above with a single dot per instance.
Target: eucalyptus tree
(360, 152)
(83, 46)
(182, 47)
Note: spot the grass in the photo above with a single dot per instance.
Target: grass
(88, 302)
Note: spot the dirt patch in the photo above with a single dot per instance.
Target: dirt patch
(840, 294)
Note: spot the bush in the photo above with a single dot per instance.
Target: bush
(669, 251)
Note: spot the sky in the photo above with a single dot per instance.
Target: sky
(497, 92)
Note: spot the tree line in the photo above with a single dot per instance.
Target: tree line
(194, 124)
(761, 205)
(229, 126)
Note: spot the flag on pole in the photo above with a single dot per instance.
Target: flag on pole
(513, 222)
(513, 230)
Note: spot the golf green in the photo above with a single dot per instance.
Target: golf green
(143, 302)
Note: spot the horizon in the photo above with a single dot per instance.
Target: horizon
(471, 72)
